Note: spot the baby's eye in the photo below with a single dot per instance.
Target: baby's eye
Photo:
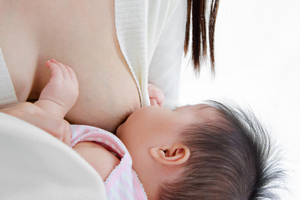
(174, 108)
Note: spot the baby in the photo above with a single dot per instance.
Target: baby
(205, 151)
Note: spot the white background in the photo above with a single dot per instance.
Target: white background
(258, 66)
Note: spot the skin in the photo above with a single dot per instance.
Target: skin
(81, 34)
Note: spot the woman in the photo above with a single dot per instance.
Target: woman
(116, 46)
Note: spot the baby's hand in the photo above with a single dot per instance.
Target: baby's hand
(157, 97)
(61, 93)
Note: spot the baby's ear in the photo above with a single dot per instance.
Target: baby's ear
(174, 155)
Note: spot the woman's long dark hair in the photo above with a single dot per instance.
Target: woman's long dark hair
(197, 15)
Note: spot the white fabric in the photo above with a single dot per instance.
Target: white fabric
(166, 51)
(35, 165)
(7, 92)
(151, 37)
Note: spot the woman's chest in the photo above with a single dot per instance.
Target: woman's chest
(82, 35)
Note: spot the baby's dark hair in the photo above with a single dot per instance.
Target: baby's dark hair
(231, 159)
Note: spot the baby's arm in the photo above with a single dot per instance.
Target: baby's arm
(55, 101)
(37, 116)
(61, 93)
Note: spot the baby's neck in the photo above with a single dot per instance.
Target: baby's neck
(102, 160)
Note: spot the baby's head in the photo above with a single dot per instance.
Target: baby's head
(205, 151)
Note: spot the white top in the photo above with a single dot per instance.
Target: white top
(153, 45)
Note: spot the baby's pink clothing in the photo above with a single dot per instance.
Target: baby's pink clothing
(122, 183)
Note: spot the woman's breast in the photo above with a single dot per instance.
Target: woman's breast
(107, 96)
(84, 37)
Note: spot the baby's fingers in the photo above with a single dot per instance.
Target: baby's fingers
(65, 71)
(55, 69)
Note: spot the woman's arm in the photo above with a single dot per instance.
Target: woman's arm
(165, 63)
